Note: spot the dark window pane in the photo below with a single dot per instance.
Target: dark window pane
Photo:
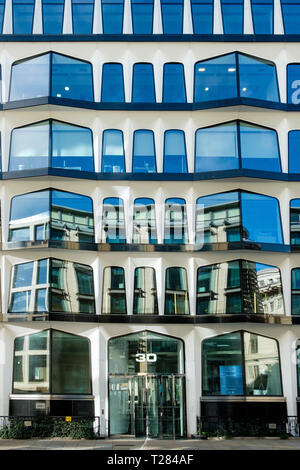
(175, 152)
(112, 16)
(172, 16)
(145, 294)
(113, 154)
(22, 16)
(83, 15)
(295, 221)
(112, 83)
(291, 16)
(114, 293)
(143, 152)
(262, 16)
(53, 13)
(176, 292)
(174, 84)
(142, 16)
(294, 151)
(143, 88)
(233, 16)
(2, 9)
(202, 15)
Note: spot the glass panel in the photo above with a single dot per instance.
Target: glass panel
(262, 16)
(258, 79)
(114, 293)
(174, 84)
(22, 276)
(143, 88)
(262, 366)
(145, 293)
(53, 13)
(296, 292)
(22, 16)
(175, 221)
(71, 78)
(293, 82)
(222, 365)
(144, 223)
(217, 148)
(2, 9)
(295, 221)
(30, 78)
(202, 16)
(112, 16)
(112, 83)
(175, 152)
(42, 271)
(113, 225)
(143, 152)
(83, 15)
(233, 16)
(294, 147)
(291, 16)
(172, 16)
(216, 79)
(72, 147)
(70, 364)
(176, 295)
(113, 154)
(142, 16)
(41, 301)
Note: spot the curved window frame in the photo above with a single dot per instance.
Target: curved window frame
(173, 131)
(135, 133)
(121, 133)
(122, 79)
(180, 66)
(154, 100)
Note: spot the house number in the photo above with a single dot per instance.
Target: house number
(151, 357)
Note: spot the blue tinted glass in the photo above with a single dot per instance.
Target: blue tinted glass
(112, 83)
(30, 78)
(293, 83)
(144, 226)
(113, 220)
(175, 152)
(142, 16)
(217, 148)
(294, 152)
(143, 89)
(53, 12)
(258, 79)
(174, 84)
(291, 16)
(112, 16)
(296, 278)
(262, 16)
(259, 148)
(172, 16)
(23, 16)
(143, 152)
(71, 78)
(216, 79)
(175, 230)
(295, 222)
(72, 147)
(2, 8)
(83, 15)
(261, 218)
(202, 15)
(233, 16)
(113, 156)
(22, 275)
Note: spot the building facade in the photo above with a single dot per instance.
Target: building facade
(150, 201)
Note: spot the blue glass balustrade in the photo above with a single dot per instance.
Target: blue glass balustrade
(174, 84)
(202, 16)
(142, 16)
(112, 83)
(262, 16)
(143, 160)
(235, 75)
(236, 144)
(53, 13)
(113, 154)
(70, 78)
(290, 15)
(172, 16)
(175, 230)
(22, 11)
(233, 16)
(83, 16)
(112, 16)
(143, 88)
(53, 144)
(175, 152)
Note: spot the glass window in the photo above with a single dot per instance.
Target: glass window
(175, 221)
(144, 160)
(233, 16)
(294, 147)
(145, 293)
(30, 78)
(176, 293)
(2, 10)
(172, 16)
(112, 16)
(258, 79)
(295, 221)
(144, 223)
(112, 83)
(52, 362)
(262, 16)
(202, 16)
(142, 16)
(175, 152)
(232, 358)
(296, 291)
(53, 13)
(113, 223)
(83, 16)
(293, 82)
(259, 148)
(143, 88)
(22, 11)
(290, 15)
(114, 292)
(174, 84)
(113, 153)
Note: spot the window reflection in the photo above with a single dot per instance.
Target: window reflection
(296, 291)
(239, 287)
(145, 292)
(114, 292)
(113, 222)
(83, 15)
(144, 160)
(175, 221)
(113, 153)
(144, 223)
(142, 16)
(175, 152)
(230, 359)
(202, 16)
(53, 13)
(176, 293)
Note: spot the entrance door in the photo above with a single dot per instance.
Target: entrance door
(147, 406)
